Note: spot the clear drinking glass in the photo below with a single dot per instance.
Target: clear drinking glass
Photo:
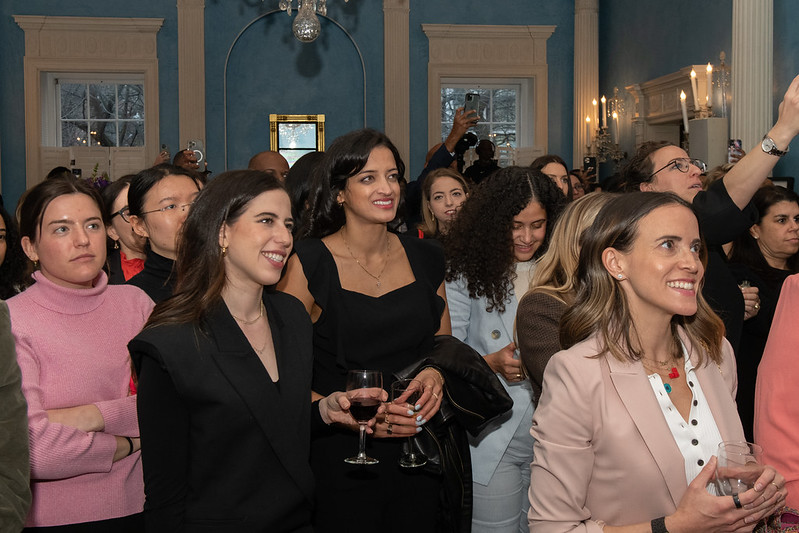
(739, 466)
(409, 459)
(365, 392)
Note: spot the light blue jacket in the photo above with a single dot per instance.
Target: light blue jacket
(487, 333)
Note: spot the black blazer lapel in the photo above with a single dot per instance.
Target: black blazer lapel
(277, 415)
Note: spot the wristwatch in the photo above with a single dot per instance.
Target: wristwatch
(770, 147)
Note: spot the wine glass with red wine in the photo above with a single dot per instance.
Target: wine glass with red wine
(365, 392)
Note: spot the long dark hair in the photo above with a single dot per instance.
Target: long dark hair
(200, 264)
(745, 249)
(479, 244)
(14, 270)
(541, 161)
(601, 304)
(346, 157)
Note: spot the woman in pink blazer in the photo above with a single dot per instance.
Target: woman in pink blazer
(633, 411)
(776, 408)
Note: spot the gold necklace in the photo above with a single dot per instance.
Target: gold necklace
(385, 263)
(254, 320)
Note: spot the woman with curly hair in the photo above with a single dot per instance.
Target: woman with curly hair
(490, 261)
(13, 263)
(443, 194)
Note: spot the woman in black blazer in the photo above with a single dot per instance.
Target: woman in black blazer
(225, 373)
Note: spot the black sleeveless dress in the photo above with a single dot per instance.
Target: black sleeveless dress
(387, 333)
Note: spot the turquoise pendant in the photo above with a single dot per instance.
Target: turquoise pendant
(667, 387)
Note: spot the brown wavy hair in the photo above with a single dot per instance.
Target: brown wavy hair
(479, 245)
(200, 264)
(601, 305)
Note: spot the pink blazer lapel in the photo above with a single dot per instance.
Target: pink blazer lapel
(635, 392)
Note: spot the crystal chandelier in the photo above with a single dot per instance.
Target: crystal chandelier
(306, 26)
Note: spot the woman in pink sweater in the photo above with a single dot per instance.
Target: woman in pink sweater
(71, 329)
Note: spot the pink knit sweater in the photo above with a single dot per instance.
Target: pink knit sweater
(72, 350)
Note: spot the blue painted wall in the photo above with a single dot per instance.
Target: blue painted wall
(638, 43)
(12, 50)
(560, 58)
(270, 72)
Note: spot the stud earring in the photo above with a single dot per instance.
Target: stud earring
(621, 277)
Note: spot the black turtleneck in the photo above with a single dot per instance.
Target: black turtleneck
(157, 279)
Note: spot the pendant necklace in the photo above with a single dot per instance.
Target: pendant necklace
(664, 365)
(385, 263)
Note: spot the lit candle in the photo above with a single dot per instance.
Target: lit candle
(709, 84)
(604, 112)
(588, 129)
(693, 88)
(684, 111)
(615, 127)
(596, 115)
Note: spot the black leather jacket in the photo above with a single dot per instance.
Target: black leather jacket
(473, 396)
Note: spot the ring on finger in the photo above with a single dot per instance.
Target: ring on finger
(757, 306)
(736, 501)
(386, 419)
(389, 430)
(436, 395)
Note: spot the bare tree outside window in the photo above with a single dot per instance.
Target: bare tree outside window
(101, 114)
(498, 112)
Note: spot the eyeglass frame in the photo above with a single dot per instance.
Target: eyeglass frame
(124, 213)
(698, 163)
(170, 207)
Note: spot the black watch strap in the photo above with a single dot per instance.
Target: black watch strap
(659, 525)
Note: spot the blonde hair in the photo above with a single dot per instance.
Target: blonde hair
(601, 305)
(429, 226)
(555, 273)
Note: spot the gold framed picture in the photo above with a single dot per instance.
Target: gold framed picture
(295, 135)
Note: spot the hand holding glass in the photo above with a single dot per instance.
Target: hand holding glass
(409, 459)
(365, 392)
(739, 467)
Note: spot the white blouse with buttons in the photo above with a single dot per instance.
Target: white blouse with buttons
(699, 437)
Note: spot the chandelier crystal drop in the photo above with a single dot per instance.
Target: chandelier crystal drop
(306, 25)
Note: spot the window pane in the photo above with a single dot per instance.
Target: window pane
(131, 101)
(73, 100)
(131, 133)
(296, 135)
(504, 109)
(74, 133)
(102, 101)
(451, 99)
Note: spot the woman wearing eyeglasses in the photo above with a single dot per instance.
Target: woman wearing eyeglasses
(126, 254)
(724, 210)
(159, 199)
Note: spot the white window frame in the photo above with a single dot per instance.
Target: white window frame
(51, 105)
(490, 52)
(525, 128)
(88, 44)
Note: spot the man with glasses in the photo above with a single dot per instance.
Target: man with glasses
(723, 210)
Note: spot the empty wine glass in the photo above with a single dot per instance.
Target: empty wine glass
(409, 459)
(365, 392)
(739, 466)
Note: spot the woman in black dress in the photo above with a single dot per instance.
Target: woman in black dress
(377, 300)
(225, 373)
(763, 257)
